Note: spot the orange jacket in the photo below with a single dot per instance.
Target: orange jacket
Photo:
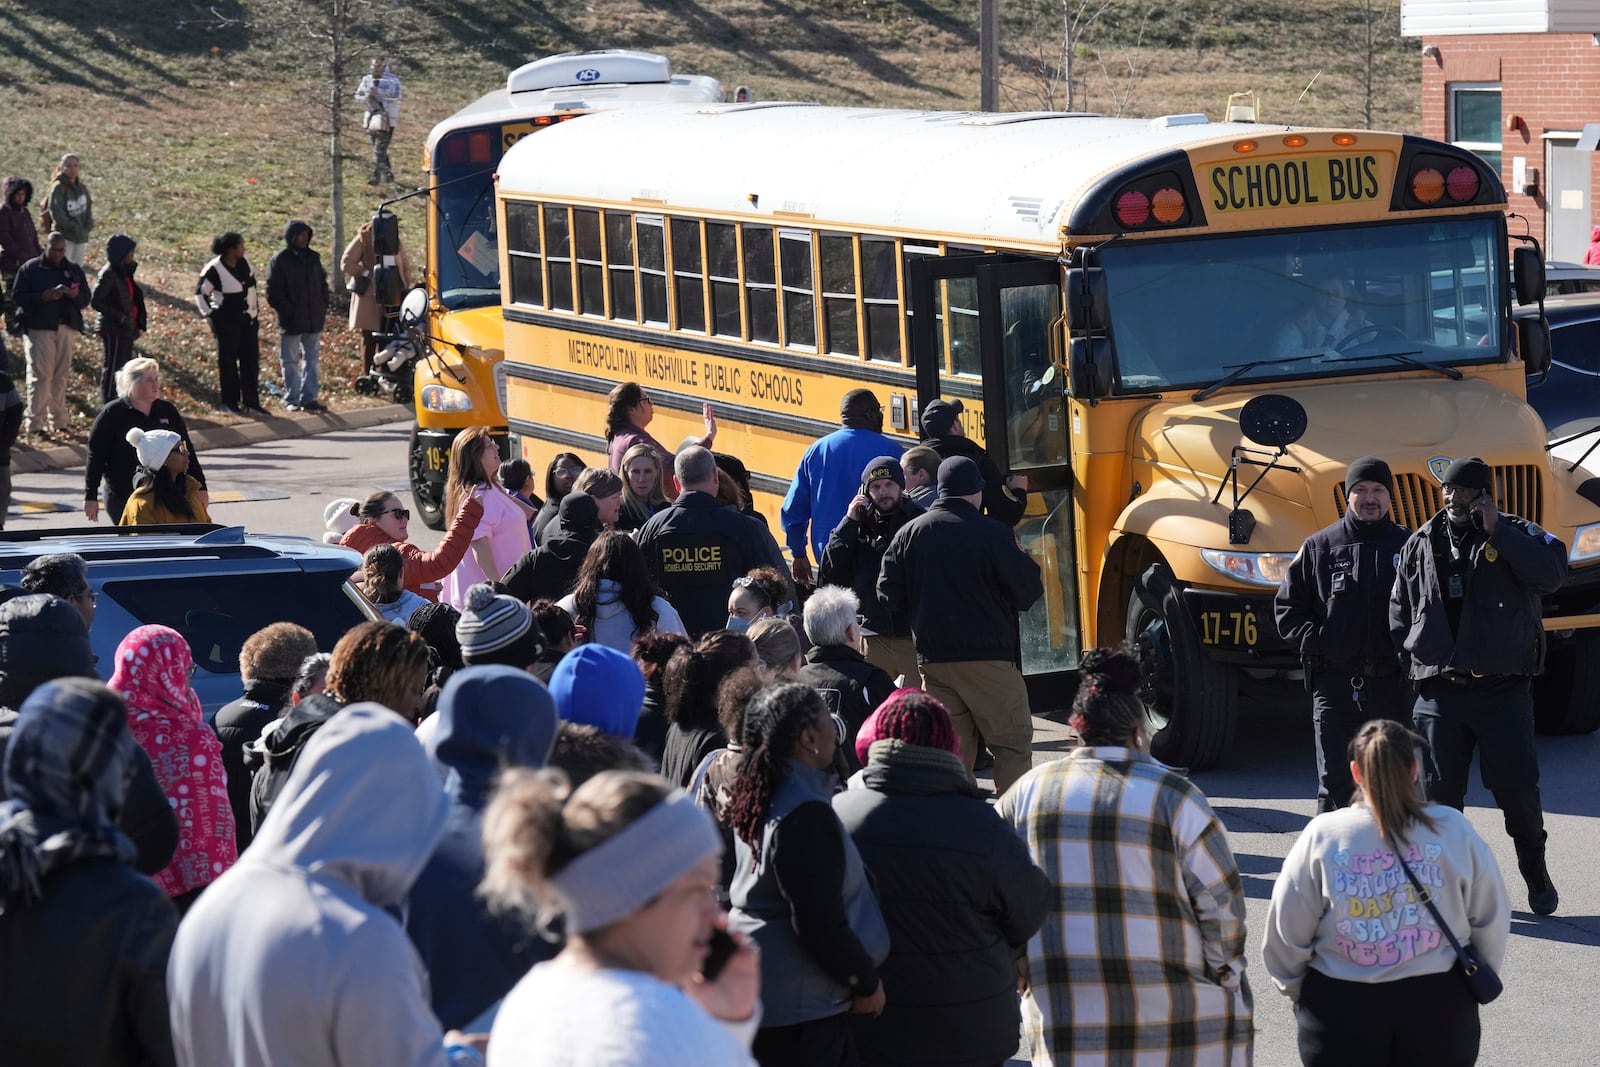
(423, 569)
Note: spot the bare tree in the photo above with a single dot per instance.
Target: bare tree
(1120, 88)
(1376, 31)
(1058, 35)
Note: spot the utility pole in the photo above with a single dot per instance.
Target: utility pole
(989, 55)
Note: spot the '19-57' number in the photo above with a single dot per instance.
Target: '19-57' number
(1228, 628)
(438, 458)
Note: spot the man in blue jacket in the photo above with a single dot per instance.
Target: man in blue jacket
(828, 478)
(963, 581)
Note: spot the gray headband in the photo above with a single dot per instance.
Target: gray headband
(628, 870)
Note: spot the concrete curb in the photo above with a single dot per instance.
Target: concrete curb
(272, 428)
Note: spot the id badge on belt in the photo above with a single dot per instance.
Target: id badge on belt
(1457, 587)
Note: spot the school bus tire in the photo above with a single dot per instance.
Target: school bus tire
(424, 494)
(1566, 697)
(1191, 700)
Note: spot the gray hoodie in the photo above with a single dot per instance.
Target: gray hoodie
(290, 957)
(612, 625)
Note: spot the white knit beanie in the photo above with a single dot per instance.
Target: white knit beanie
(338, 518)
(153, 446)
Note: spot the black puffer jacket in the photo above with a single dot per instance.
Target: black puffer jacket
(852, 687)
(854, 557)
(236, 725)
(117, 297)
(962, 580)
(961, 898)
(297, 286)
(271, 763)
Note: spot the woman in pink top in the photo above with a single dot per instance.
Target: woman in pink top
(630, 412)
(502, 534)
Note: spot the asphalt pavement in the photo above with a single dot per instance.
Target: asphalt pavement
(1264, 792)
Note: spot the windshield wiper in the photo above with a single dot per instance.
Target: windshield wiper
(1239, 370)
(1406, 358)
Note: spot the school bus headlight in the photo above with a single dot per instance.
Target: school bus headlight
(1265, 569)
(443, 398)
(1585, 544)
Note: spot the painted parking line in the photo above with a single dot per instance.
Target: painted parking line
(39, 507)
(246, 494)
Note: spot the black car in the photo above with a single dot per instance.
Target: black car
(1568, 399)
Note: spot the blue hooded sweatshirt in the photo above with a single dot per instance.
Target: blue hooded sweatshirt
(489, 718)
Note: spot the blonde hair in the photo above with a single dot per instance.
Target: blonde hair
(658, 497)
(776, 643)
(466, 466)
(132, 374)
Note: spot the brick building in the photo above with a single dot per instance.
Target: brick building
(1517, 81)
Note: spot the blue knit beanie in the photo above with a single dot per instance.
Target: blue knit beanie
(598, 686)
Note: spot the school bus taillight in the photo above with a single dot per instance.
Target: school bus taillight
(1427, 185)
(1167, 205)
(1133, 208)
(1462, 184)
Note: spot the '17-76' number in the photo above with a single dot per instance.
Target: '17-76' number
(1228, 627)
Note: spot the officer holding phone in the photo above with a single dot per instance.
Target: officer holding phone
(1465, 613)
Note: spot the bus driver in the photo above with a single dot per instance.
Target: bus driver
(1326, 319)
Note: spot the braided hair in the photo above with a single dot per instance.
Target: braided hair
(1107, 709)
(773, 723)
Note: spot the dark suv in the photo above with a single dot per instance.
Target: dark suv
(1569, 397)
(215, 585)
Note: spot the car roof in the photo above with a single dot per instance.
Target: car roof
(172, 544)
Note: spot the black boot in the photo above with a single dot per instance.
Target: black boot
(1542, 896)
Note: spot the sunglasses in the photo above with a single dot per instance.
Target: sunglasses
(94, 597)
(403, 514)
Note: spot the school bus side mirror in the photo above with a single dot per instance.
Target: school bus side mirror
(1086, 300)
(1533, 341)
(1527, 273)
(1089, 367)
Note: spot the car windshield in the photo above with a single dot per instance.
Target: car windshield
(1306, 304)
(216, 612)
(466, 247)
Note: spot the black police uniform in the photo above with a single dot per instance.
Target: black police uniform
(854, 557)
(1466, 614)
(1334, 603)
(696, 548)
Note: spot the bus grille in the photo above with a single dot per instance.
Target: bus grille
(1417, 498)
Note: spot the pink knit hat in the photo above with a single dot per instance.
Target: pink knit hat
(912, 716)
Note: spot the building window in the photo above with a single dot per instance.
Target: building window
(1474, 110)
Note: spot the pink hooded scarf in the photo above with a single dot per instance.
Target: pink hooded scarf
(153, 668)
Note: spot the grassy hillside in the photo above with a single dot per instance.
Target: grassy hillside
(193, 118)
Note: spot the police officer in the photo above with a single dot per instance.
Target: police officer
(1466, 613)
(1334, 603)
(695, 548)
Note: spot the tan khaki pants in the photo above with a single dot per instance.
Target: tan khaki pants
(987, 697)
(896, 655)
(49, 356)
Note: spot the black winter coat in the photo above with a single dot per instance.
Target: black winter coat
(38, 277)
(998, 502)
(113, 460)
(87, 970)
(1333, 603)
(550, 571)
(282, 749)
(852, 687)
(297, 289)
(962, 580)
(696, 548)
(1500, 631)
(121, 308)
(961, 898)
(854, 556)
(236, 725)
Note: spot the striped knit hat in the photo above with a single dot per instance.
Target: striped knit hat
(912, 716)
(490, 622)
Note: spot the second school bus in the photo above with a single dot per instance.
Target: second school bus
(1105, 296)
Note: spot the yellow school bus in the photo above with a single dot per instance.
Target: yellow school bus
(1125, 309)
(460, 383)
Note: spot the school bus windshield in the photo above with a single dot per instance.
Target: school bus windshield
(467, 252)
(1324, 302)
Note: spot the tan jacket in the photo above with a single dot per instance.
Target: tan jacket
(359, 260)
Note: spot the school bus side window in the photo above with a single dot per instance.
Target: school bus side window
(799, 289)
(591, 274)
(760, 284)
(880, 288)
(522, 245)
(839, 294)
(722, 261)
(651, 235)
(687, 280)
(619, 264)
(558, 254)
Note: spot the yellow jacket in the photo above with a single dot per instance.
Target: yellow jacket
(144, 510)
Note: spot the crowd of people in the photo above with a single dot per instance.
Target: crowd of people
(610, 782)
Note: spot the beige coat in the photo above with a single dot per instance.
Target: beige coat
(365, 314)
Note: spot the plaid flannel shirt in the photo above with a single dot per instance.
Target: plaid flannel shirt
(1141, 958)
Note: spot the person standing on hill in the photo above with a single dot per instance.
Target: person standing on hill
(120, 301)
(19, 242)
(361, 260)
(226, 295)
(827, 479)
(71, 211)
(380, 92)
(53, 293)
(297, 289)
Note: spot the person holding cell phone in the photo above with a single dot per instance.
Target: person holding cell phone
(52, 292)
(1465, 614)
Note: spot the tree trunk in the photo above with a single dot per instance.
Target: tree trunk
(340, 75)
